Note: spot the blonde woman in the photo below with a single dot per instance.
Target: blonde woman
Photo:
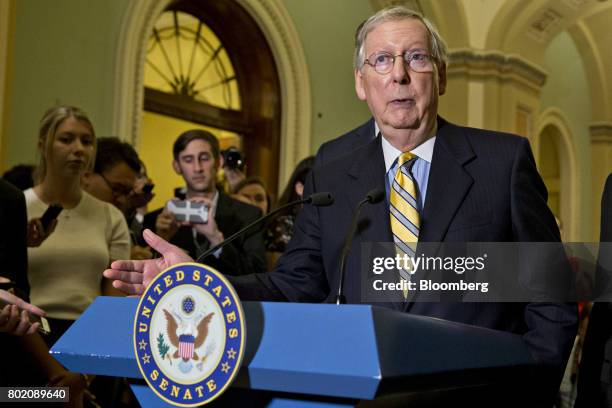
(65, 271)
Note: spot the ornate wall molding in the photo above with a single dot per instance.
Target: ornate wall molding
(7, 22)
(601, 132)
(296, 121)
(573, 174)
(495, 65)
(136, 25)
(277, 26)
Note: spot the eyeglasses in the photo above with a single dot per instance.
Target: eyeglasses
(118, 190)
(383, 62)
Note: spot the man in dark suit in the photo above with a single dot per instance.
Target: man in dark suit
(13, 241)
(595, 373)
(13, 283)
(14, 260)
(471, 185)
(197, 159)
(346, 143)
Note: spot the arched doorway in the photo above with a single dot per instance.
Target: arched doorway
(201, 73)
(276, 25)
(556, 157)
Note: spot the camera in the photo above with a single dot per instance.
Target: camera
(233, 159)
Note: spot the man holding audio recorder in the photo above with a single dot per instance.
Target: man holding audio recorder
(216, 216)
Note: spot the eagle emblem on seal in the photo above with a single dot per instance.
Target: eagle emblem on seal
(187, 331)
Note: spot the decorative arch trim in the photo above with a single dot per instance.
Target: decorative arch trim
(594, 67)
(537, 22)
(277, 26)
(555, 117)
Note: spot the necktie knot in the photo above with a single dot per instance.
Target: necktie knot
(405, 158)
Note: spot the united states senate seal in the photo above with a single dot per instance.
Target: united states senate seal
(189, 334)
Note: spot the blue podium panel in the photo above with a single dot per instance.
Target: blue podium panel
(291, 347)
(317, 349)
(348, 352)
(100, 342)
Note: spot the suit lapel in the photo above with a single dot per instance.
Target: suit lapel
(448, 181)
(223, 209)
(366, 174)
(365, 132)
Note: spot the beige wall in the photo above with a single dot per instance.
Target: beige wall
(326, 29)
(7, 17)
(63, 52)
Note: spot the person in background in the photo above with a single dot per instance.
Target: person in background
(15, 316)
(15, 288)
(280, 228)
(65, 270)
(197, 159)
(595, 370)
(20, 175)
(26, 360)
(114, 174)
(137, 209)
(254, 190)
(113, 180)
(233, 169)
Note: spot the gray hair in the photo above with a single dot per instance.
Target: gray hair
(394, 13)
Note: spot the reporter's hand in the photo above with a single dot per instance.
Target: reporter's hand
(132, 277)
(166, 224)
(209, 229)
(14, 318)
(37, 233)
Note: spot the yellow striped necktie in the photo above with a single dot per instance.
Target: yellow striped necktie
(405, 220)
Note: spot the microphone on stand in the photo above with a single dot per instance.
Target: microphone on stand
(373, 197)
(317, 199)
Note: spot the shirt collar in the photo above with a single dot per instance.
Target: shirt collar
(423, 151)
(215, 201)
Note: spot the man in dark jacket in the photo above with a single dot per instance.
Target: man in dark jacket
(197, 159)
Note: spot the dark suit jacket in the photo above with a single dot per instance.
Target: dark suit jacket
(346, 143)
(483, 187)
(595, 374)
(14, 266)
(244, 255)
(13, 247)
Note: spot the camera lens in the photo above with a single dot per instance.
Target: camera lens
(233, 159)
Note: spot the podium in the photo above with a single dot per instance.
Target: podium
(320, 355)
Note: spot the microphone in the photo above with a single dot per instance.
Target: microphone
(317, 199)
(373, 197)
